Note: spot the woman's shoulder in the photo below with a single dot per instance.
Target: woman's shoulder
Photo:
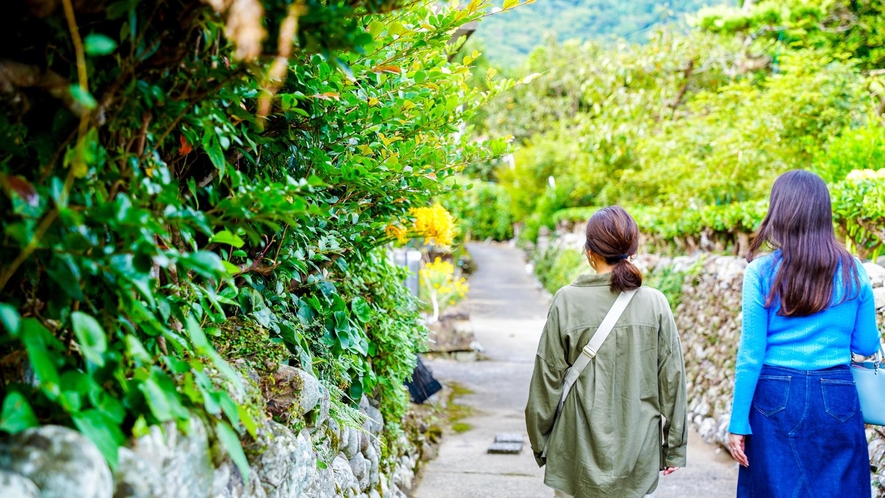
(860, 268)
(650, 296)
(763, 264)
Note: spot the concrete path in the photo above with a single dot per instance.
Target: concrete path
(508, 313)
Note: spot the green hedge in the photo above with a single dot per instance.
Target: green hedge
(858, 214)
(555, 268)
(188, 170)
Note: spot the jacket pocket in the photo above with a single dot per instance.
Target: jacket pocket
(772, 392)
(840, 398)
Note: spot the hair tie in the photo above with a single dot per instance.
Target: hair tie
(613, 260)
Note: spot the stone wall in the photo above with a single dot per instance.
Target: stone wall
(322, 460)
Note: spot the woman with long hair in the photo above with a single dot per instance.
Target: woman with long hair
(796, 427)
(607, 439)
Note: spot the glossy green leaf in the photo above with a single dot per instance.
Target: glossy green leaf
(90, 337)
(16, 414)
(162, 397)
(231, 442)
(136, 350)
(226, 237)
(248, 421)
(83, 97)
(38, 342)
(98, 44)
(231, 269)
(102, 431)
(10, 319)
(361, 309)
(206, 263)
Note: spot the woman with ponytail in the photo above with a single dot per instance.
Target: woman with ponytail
(624, 419)
(796, 426)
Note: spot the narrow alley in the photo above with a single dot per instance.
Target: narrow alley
(508, 313)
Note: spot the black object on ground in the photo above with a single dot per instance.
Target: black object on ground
(510, 444)
(422, 385)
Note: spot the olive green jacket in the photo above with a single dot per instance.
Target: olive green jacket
(608, 439)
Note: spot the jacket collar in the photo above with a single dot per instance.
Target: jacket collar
(593, 280)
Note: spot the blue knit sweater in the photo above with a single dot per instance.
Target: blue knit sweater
(822, 340)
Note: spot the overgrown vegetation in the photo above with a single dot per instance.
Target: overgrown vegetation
(482, 209)
(170, 166)
(558, 267)
(689, 130)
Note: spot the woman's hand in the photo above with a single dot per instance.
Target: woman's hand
(670, 470)
(736, 444)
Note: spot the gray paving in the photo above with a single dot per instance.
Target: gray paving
(508, 313)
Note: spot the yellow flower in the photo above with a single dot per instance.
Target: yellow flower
(434, 223)
(441, 284)
(397, 232)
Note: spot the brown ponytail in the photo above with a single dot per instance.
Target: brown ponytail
(613, 234)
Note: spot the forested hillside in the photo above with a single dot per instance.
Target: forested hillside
(509, 36)
(690, 128)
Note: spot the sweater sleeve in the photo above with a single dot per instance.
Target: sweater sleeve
(751, 352)
(545, 388)
(865, 336)
(671, 387)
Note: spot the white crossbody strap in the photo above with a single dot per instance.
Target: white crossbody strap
(589, 351)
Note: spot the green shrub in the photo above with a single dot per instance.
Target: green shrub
(156, 195)
(859, 211)
(668, 281)
(855, 149)
(483, 210)
(663, 225)
(689, 131)
(556, 268)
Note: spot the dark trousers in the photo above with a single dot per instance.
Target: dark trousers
(808, 437)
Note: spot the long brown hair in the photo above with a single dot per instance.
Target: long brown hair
(800, 223)
(612, 233)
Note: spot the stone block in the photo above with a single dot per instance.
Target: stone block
(360, 468)
(283, 461)
(879, 297)
(322, 484)
(876, 274)
(373, 456)
(346, 483)
(374, 422)
(57, 460)
(505, 448)
(182, 458)
(135, 477)
(228, 482)
(13, 485)
(291, 391)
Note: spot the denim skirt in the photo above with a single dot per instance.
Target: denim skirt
(808, 437)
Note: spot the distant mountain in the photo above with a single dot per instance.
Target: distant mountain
(509, 36)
